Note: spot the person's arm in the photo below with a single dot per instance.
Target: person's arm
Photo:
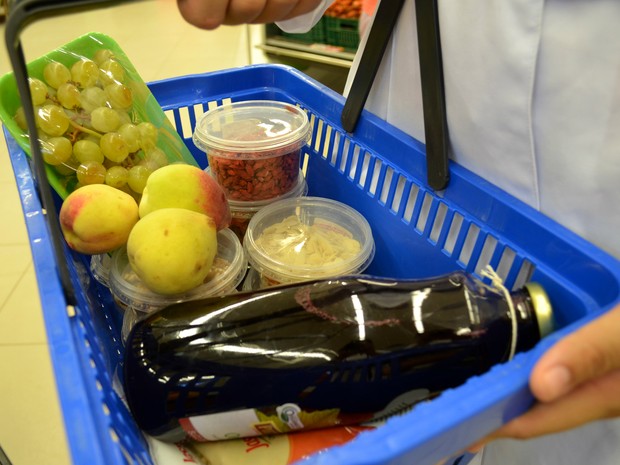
(576, 382)
(210, 14)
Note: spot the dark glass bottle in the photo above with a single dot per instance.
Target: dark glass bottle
(320, 353)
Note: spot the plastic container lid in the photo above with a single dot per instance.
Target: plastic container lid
(306, 238)
(247, 129)
(228, 270)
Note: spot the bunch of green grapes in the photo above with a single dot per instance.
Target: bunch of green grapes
(87, 128)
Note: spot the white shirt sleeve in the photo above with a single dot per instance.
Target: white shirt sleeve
(305, 22)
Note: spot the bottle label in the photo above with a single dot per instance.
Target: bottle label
(252, 422)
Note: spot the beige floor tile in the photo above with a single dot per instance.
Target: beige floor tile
(21, 319)
(12, 226)
(14, 259)
(31, 429)
(7, 285)
(6, 169)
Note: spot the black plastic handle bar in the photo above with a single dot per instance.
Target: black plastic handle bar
(433, 94)
(378, 37)
(431, 73)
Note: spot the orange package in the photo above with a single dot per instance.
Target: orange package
(281, 449)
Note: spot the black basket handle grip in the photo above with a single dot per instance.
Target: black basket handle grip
(378, 37)
(433, 94)
(431, 74)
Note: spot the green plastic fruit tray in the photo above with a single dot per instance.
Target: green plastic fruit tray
(145, 107)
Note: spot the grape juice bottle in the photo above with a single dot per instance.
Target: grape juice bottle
(321, 353)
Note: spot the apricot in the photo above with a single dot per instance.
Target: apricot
(185, 186)
(172, 249)
(97, 218)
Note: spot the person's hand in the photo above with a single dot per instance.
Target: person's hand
(210, 14)
(577, 381)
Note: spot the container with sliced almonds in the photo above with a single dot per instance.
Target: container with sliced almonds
(305, 238)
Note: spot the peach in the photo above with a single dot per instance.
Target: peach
(97, 218)
(185, 186)
(172, 249)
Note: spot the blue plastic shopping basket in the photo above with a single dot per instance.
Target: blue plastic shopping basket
(379, 171)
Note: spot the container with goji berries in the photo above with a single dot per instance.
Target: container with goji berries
(254, 147)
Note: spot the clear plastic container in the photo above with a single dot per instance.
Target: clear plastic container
(305, 238)
(229, 268)
(254, 147)
(100, 268)
(252, 281)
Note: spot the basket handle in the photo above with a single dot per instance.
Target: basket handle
(21, 13)
(431, 74)
(433, 94)
(378, 37)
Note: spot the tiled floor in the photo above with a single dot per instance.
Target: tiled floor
(161, 45)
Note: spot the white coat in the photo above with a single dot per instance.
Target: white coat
(533, 100)
(533, 104)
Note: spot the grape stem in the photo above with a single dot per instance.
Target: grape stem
(84, 129)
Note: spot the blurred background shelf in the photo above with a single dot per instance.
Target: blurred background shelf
(318, 52)
(325, 52)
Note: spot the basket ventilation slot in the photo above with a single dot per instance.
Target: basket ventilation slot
(364, 169)
(397, 198)
(376, 180)
(439, 223)
(424, 212)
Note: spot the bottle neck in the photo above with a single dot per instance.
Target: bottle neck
(528, 331)
(496, 321)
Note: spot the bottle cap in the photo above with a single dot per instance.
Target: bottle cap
(542, 307)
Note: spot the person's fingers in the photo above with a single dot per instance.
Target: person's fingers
(266, 11)
(205, 14)
(210, 14)
(280, 10)
(258, 11)
(589, 352)
(594, 400)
